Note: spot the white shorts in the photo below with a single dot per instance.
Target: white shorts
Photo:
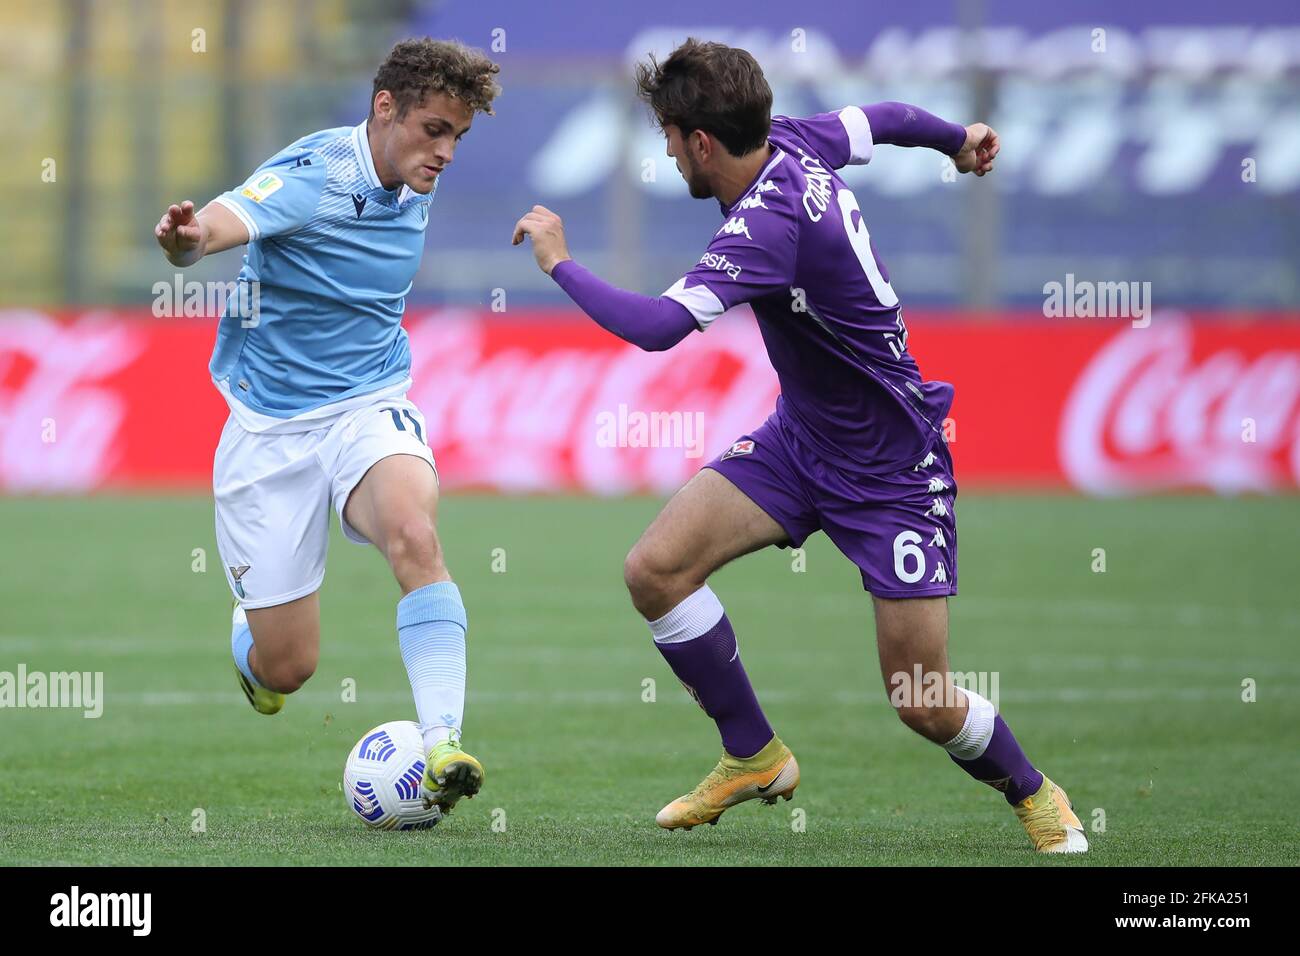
(274, 490)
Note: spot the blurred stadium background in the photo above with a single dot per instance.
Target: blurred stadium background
(1151, 143)
(1154, 142)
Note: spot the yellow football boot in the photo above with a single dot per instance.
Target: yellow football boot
(450, 774)
(1049, 819)
(264, 701)
(772, 772)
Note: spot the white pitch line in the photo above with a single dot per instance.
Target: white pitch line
(1227, 693)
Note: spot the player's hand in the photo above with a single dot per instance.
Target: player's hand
(179, 232)
(977, 155)
(547, 232)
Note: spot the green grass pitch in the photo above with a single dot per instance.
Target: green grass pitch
(1125, 686)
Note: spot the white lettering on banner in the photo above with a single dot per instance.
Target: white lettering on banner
(64, 364)
(510, 406)
(1145, 414)
(517, 421)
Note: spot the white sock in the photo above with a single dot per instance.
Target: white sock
(431, 628)
(973, 738)
(696, 615)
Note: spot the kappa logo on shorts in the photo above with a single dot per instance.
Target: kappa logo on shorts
(235, 574)
(745, 447)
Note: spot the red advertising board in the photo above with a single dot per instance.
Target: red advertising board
(549, 402)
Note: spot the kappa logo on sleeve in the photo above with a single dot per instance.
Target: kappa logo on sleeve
(735, 226)
(745, 447)
(263, 186)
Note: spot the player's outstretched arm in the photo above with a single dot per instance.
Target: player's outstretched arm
(186, 236)
(972, 148)
(650, 323)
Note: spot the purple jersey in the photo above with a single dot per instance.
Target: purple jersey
(795, 247)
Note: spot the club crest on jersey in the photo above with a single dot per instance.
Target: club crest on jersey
(735, 226)
(745, 447)
(235, 574)
(261, 187)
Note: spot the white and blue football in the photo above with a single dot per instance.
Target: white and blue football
(381, 778)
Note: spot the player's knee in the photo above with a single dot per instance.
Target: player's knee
(285, 675)
(650, 581)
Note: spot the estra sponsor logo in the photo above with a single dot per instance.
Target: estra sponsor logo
(1174, 405)
(715, 260)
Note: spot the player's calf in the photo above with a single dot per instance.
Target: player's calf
(283, 644)
(935, 723)
(282, 666)
(413, 552)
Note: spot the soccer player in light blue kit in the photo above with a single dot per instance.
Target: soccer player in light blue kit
(314, 363)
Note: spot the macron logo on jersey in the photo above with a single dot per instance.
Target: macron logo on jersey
(359, 201)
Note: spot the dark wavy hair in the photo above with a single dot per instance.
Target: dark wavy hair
(711, 87)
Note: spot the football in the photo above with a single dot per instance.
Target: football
(381, 779)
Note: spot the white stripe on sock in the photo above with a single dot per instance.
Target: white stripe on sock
(973, 739)
(694, 616)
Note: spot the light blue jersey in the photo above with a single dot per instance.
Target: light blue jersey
(333, 254)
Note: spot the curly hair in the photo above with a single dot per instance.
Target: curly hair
(418, 67)
(713, 87)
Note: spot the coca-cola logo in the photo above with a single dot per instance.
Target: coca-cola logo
(520, 419)
(1149, 413)
(58, 424)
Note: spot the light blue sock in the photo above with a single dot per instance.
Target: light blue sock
(241, 642)
(431, 633)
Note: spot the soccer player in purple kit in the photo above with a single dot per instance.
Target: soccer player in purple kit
(854, 448)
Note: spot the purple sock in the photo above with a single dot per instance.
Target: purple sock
(709, 665)
(1004, 766)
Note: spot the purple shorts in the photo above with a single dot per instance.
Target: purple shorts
(899, 528)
